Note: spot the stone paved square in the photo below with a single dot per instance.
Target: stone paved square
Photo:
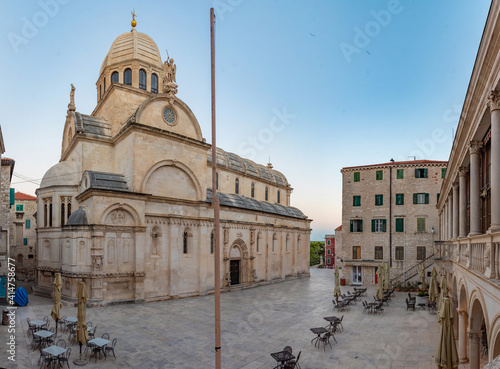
(255, 323)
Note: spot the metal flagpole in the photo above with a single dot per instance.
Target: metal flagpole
(215, 201)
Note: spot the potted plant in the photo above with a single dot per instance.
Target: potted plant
(423, 297)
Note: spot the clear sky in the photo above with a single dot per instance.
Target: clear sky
(313, 85)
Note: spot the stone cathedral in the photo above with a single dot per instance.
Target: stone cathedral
(128, 208)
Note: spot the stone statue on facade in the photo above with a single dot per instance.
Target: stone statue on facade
(169, 85)
(227, 279)
(71, 105)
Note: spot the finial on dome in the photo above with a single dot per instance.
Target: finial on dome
(133, 23)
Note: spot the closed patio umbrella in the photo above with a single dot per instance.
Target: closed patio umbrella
(446, 355)
(444, 291)
(81, 326)
(387, 276)
(422, 276)
(380, 274)
(56, 296)
(336, 291)
(433, 288)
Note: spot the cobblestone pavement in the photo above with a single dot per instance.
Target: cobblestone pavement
(255, 323)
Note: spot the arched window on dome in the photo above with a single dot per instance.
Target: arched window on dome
(100, 91)
(279, 197)
(142, 79)
(252, 191)
(154, 83)
(237, 186)
(104, 84)
(114, 77)
(267, 194)
(127, 77)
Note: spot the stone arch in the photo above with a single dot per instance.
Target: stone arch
(463, 301)
(188, 187)
(494, 338)
(238, 252)
(121, 215)
(477, 311)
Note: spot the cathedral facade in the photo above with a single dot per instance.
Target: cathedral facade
(129, 206)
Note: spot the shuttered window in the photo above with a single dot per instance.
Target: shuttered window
(420, 198)
(379, 175)
(379, 225)
(379, 200)
(356, 225)
(420, 172)
(421, 225)
(356, 201)
(356, 252)
(356, 176)
(400, 173)
(400, 199)
(400, 224)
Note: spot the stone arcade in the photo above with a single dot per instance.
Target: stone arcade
(128, 207)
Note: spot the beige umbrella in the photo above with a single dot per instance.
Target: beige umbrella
(422, 276)
(380, 273)
(387, 276)
(433, 288)
(446, 355)
(444, 291)
(336, 291)
(81, 326)
(56, 296)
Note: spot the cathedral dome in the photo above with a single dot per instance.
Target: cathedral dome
(133, 46)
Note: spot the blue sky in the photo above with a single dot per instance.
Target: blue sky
(314, 86)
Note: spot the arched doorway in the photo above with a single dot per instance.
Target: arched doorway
(237, 267)
(478, 335)
(495, 349)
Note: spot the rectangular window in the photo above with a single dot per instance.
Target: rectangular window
(356, 201)
(379, 200)
(443, 172)
(400, 199)
(420, 198)
(379, 225)
(357, 225)
(12, 196)
(25, 241)
(356, 252)
(420, 172)
(19, 207)
(420, 224)
(400, 224)
(328, 252)
(420, 252)
(328, 261)
(379, 175)
(400, 253)
(328, 242)
(379, 252)
(28, 223)
(356, 176)
(400, 173)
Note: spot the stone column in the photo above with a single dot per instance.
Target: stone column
(450, 216)
(494, 105)
(462, 172)
(475, 220)
(445, 220)
(462, 336)
(474, 346)
(455, 210)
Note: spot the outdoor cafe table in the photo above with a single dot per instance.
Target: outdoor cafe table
(318, 331)
(332, 320)
(43, 334)
(55, 350)
(282, 356)
(99, 342)
(38, 323)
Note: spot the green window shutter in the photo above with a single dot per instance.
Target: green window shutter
(400, 224)
(400, 173)
(426, 198)
(384, 225)
(425, 172)
(414, 198)
(28, 224)
(443, 172)
(356, 176)
(25, 241)
(373, 225)
(416, 173)
(361, 225)
(352, 226)
(12, 196)
(354, 201)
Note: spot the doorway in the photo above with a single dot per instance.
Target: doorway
(356, 274)
(234, 270)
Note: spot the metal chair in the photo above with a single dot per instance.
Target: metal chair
(293, 363)
(105, 336)
(64, 358)
(62, 323)
(110, 348)
(410, 304)
(325, 339)
(31, 326)
(61, 343)
(92, 332)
